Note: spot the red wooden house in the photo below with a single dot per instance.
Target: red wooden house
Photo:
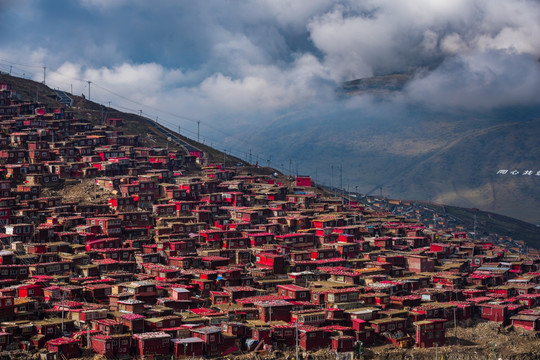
(273, 261)
(494, 312)
(30, 290)
(111, 346)
(303, 181)
(188, 347)
(312, 338)
(420, 264)
(162, 323)
(430, 332)
(108, 326)
(68, 347)
(133, 322)
(343, 343)
(347, 250)
(212, 337)
(527, 319)
(274, 310)
(294, 292)
(152, 343)
(390, 324)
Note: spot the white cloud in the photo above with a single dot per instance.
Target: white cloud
(479, 81)
(453, 44)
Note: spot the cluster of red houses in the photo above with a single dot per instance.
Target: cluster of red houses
(216, 263)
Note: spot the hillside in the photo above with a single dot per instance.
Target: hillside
(94, 112)
(408, 160)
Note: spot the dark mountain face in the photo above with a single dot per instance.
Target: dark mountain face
(414, 152)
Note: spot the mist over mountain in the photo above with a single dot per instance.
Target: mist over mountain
(415, 153)
(446, 151)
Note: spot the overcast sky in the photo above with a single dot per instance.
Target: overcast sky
(228, 63)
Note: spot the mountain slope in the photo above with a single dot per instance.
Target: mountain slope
(464, 172)
(406, 160)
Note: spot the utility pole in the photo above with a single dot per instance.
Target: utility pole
(140, 112)
(341, 178)
(474, 236)
(89, 82)
(249, 156)
(290, 164)
(179, 130)
(296, 328)
(109, 104)
(349, 191)
(63, 294)
(10, 67)
(455, 325)
(44, 74)
(331, 177)
(198, 129)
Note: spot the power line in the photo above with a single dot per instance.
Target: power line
(21, 64)
(171, 125)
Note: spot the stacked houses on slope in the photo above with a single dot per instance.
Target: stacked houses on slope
(219, 263)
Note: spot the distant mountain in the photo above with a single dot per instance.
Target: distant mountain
(417, 153)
